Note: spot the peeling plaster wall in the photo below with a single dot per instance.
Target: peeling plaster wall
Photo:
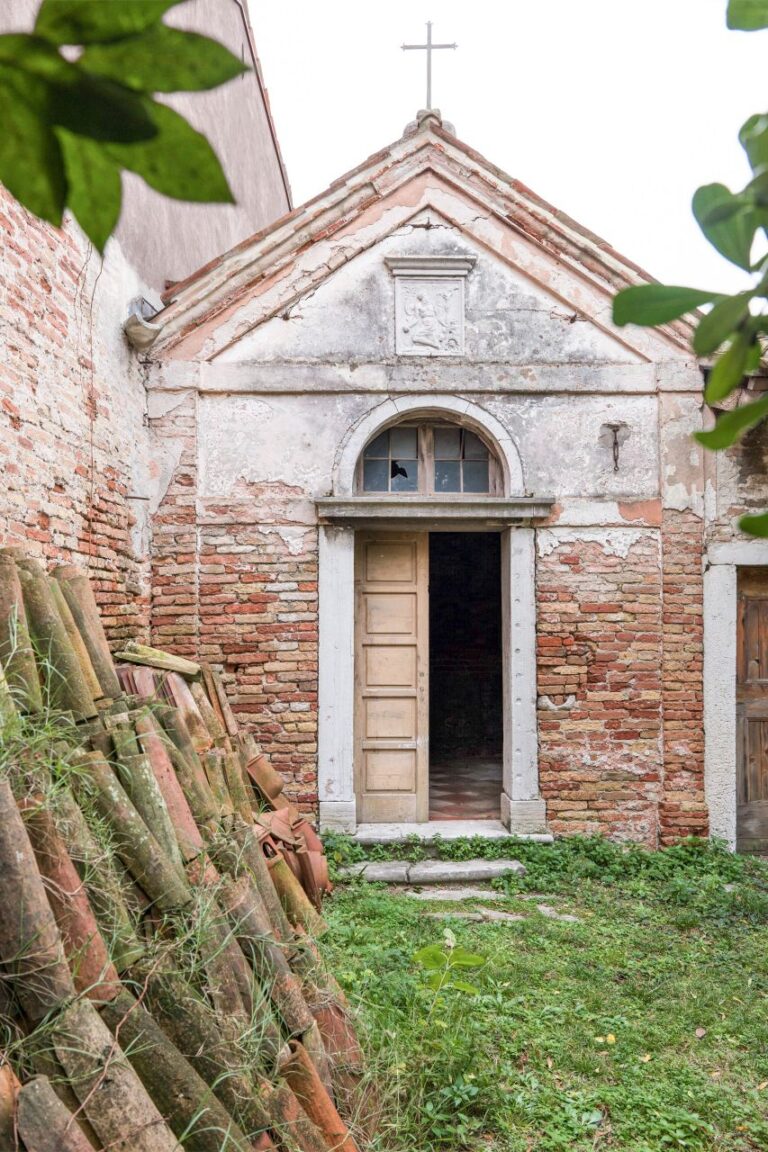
(350, 316)
(619, 563)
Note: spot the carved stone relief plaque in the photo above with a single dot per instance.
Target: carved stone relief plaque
(429, 304)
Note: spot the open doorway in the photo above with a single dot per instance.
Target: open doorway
(465, 676)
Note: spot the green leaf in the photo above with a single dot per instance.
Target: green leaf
(95, 186)
(755, 524)
(431, 957)
(97, 21)
(731, 425)
(460, 958)
(729, 370)
(89, 105)
(31, 165)
(463, 986)
(164, 59)
(437, 981)
(179, 162)
(747, 15)
(753, 137)
(101, 110)
(729, 222)
(34, 55)
(720, 323)
(652, 304)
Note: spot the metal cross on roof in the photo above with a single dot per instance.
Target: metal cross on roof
(429, 47)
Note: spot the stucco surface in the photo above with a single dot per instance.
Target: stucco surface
(350, 316)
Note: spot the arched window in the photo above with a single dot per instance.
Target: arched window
(439, 458)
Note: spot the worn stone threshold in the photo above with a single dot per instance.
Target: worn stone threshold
(445, 830)
(432, 871)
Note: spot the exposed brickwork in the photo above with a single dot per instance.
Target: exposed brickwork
(175, 591)
(71, 411)
(235, 583)
(258, 620)
(683, 810)
(599, 638)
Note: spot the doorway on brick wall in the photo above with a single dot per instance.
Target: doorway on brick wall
(752, 711)
(465, 676)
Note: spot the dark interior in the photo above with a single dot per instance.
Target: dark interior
(465, 690)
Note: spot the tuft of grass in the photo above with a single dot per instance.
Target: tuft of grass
(641, 1027)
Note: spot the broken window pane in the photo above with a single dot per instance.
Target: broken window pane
(376, 476)
(404, 476)
(447, 443)
(475, 475)
(379, 447)
(474, 449)
(402, 443)
(447, 476)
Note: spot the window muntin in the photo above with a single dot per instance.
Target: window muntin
(460, 461)
(391, 462)
(430, 459)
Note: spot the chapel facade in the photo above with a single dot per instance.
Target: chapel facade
(391, 467)
(444, 525)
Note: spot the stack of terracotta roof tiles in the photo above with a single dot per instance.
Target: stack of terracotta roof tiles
(160, 985)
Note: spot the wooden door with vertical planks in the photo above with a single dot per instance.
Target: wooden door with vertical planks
(391, 677)
(752, 712)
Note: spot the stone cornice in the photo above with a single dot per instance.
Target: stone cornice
(439, 511)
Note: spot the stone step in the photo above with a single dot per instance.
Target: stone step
(432, 871)
(437, 830)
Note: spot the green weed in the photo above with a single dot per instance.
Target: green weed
(639, 1028)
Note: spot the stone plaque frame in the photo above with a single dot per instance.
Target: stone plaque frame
(429, 304)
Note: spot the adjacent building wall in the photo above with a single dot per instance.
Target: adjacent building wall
(76, 469)
(73, 442)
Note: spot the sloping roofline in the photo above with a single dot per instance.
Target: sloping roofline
(218, 283)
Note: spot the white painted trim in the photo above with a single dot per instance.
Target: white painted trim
(720, 585)
(722, 563)
(395, 408)
(336, 691)
(750, 553)
(432, 267)
(475, 512)
(522, 808)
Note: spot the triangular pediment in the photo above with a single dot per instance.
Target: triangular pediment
(316, 283)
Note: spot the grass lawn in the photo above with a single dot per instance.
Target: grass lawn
(643, 1026)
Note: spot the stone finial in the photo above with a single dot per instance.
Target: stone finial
(425, 117)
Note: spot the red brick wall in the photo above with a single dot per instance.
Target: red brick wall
(599, 640)
(258, 620)
(175, 615)
(71, 408)
(235, 583)
(683, 810)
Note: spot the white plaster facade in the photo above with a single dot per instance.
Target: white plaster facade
(292, 350)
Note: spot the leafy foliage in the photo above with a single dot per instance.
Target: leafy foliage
(639, 1028)
(444, 964)
(71, 125)
(733, 329)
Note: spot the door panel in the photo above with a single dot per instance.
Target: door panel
(391, 671)
(752, 712)
(393, 613)
(390, 667)
(388, 770)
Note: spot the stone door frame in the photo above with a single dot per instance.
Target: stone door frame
(522, 808)
(722, 563)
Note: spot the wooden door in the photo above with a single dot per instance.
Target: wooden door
(752, 712)
(391, 677)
